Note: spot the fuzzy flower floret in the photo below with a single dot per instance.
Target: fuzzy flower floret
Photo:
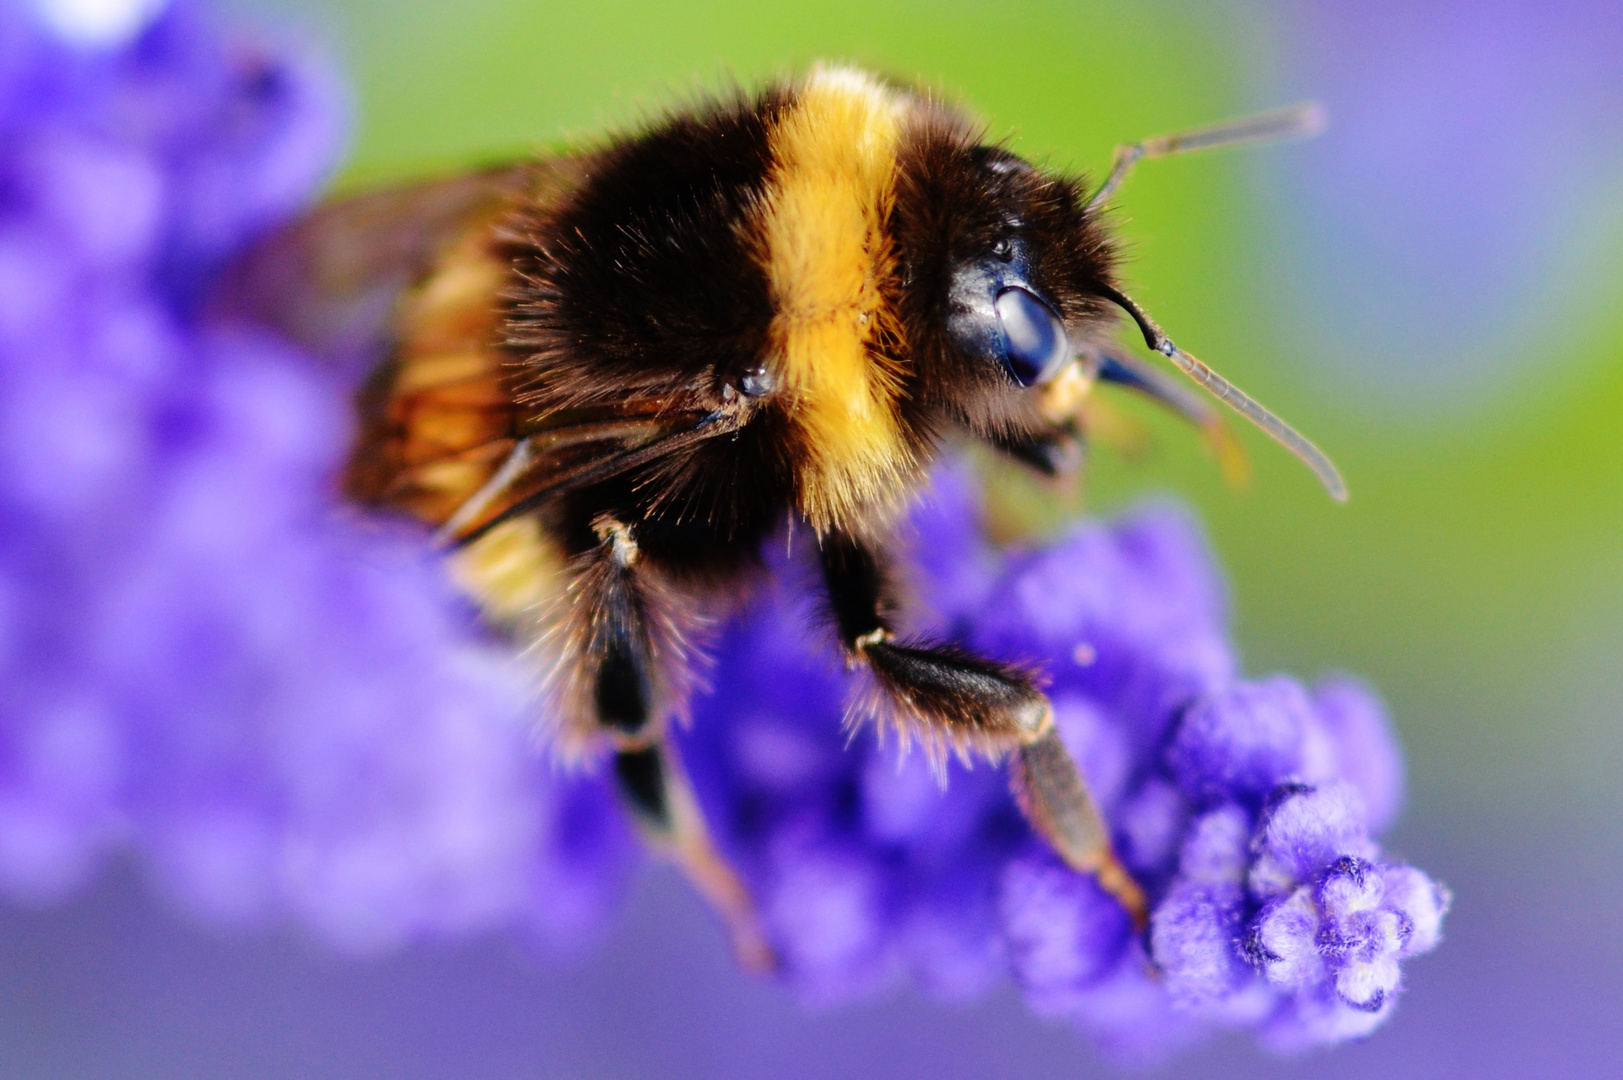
(1333, 923)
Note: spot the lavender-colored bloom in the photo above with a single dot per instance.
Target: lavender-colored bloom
(284, 708)
(287, 712)
(1239, 804)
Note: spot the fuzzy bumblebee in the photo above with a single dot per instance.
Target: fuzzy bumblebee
(607, 378)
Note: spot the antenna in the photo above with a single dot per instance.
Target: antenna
(1232, 396)
(1292, 122)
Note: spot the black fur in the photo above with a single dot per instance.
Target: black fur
(644, 282)
(645, 286)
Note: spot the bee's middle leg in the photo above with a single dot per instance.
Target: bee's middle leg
(626, 674)
(957, 698)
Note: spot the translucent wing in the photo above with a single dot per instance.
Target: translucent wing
(333, 281)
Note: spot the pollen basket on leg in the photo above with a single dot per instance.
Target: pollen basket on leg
(825, 249)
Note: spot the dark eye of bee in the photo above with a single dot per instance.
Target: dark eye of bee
(998, 315)
(1034, 341)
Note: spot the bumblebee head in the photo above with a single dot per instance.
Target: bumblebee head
(1007, 274)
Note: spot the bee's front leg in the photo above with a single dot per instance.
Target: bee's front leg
(948, 697)
(1053, 451)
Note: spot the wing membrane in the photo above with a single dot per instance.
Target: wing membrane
(332, 281)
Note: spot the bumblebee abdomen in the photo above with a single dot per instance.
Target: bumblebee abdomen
(442, 416)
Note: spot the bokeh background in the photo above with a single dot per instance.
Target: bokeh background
(1430, 289)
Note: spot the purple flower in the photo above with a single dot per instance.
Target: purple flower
(286, 712)
(1239, 804)
(285, 709)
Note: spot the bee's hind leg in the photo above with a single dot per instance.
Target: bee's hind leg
(656, 788)
(953, 698)
(630, 645)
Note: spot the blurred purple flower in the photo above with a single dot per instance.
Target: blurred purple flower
(1464, 183)
(287, 712)
(1240, 805)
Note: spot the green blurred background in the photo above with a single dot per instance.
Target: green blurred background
(1428, 290)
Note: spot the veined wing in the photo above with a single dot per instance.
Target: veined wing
(333, 281)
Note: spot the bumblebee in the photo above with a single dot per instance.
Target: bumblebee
(608, 377)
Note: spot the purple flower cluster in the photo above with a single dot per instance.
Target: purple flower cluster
(285, 710)
(1245, 807)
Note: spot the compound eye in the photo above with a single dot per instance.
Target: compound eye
(1034, 342)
